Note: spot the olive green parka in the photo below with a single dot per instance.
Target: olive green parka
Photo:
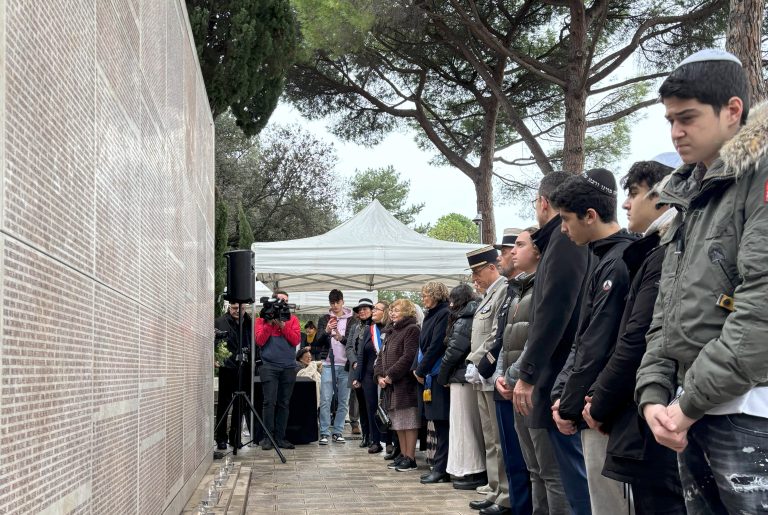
(709, 333)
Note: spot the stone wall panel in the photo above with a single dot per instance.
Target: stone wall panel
(106, 258)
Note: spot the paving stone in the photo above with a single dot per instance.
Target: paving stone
(343, 479)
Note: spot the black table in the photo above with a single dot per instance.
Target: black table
(302, 417)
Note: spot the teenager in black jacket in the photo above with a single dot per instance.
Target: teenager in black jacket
(633, 456)
(587, 205)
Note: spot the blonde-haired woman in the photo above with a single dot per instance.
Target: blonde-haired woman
(435, 398)
(393, 373)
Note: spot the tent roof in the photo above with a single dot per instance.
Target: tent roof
(371, 251)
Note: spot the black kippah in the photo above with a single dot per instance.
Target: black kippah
(601, 180)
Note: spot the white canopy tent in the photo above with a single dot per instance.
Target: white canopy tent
(370, 251)
(313, 302)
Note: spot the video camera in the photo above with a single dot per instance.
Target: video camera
(275, 309)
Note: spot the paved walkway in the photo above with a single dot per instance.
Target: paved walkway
(343, 479)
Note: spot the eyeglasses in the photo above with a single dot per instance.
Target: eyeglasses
(533, 202)
(477, 271)
(376, 309)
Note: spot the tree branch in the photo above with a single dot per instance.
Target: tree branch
(607, 65)
(621, 114)
(627, 82)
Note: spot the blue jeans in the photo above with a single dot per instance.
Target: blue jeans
(573, 472)
(326, 394)
(723, 467)
(514, 463)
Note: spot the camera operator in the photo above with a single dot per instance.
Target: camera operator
(227, 326)
(277, 334)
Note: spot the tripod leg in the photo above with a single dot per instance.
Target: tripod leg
(224, 416)
(237, 425)
(261, 422)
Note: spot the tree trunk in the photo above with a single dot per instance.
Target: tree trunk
(575, 94)
(743, 40)
(484, 195)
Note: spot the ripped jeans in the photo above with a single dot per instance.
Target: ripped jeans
(724, 467)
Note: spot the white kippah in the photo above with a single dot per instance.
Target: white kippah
(710, 54)
(670, 159)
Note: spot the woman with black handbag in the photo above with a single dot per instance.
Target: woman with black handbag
(362, 377)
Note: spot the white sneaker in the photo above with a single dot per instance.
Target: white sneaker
(338, 439)
(485, 489)
(323, 440)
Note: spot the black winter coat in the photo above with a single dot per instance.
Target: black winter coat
(362, 331)
(366, 356)
(432, 345)
(458, 343)
(632, 450)
(560, 282)
(598, 324)
(228, 323)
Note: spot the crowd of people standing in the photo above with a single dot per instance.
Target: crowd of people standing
(591, 369)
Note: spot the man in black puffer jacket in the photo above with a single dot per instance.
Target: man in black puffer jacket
(633, 456)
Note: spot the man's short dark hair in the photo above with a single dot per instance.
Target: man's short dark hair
(710, 82)
(577, 196)
(551, 181)
(335, 295)
(310, 325)
(279, 292)
(645, 172)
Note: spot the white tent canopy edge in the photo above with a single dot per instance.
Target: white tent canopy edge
(370, 251)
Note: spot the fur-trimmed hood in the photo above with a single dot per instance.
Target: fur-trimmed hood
(745, 150)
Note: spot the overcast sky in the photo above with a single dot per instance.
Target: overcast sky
(445, 189)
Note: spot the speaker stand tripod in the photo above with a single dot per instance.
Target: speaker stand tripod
(240, 397)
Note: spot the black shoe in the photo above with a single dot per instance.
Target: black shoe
(407, 465)
(389, 448)
(481, 504)
(267, 446)
(495, 509)
(375, 448)
(365, 442)
(425, 476)
(222, 446)
(285, 444)
(392, 455)
(397, 461)
(435, 477)
(471, 481)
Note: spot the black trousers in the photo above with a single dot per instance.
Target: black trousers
(362, 406)
(227, 387)
(277, 387)
(440, 461)
(371, 392)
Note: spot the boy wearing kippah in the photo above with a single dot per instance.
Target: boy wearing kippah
(587, 205)
(703, 383)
